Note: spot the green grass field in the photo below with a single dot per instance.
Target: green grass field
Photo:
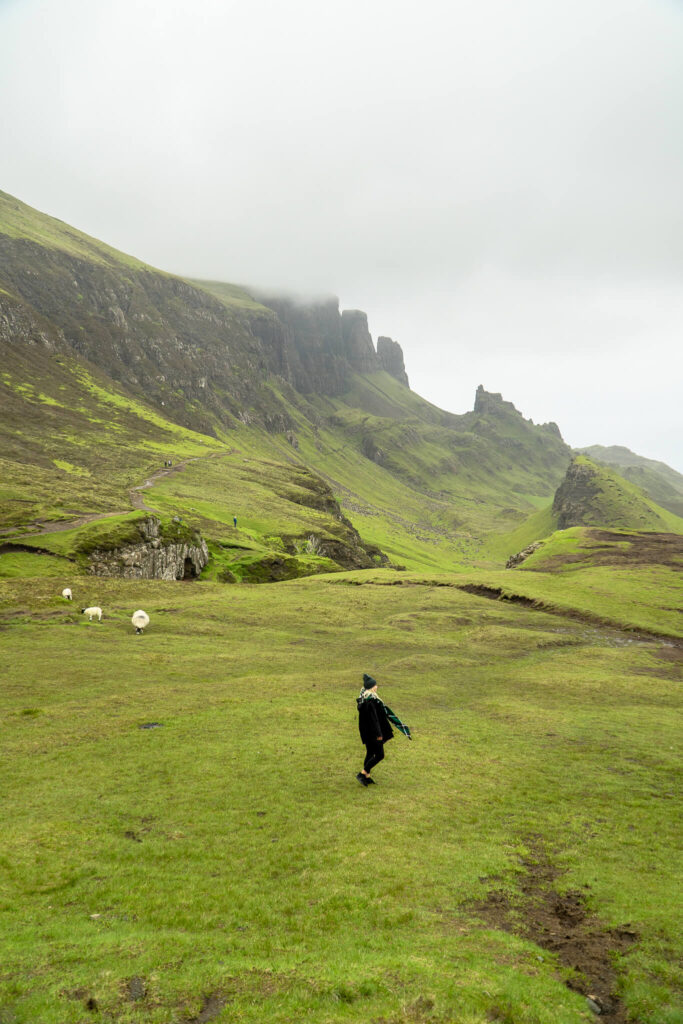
(226, 865)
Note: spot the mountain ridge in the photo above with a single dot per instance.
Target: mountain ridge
(274, 380)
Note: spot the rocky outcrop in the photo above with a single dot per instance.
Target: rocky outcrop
(154, 558)
(552, 428)
(344, 554)
(521, 556)
(390, 355)
(358, 348)
(575, 498)
(487, 403)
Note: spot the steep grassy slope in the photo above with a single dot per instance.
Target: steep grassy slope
(71, 443)
(200, 361)
(592, 495)
(227, 862)
(75, 447)
(662, 483)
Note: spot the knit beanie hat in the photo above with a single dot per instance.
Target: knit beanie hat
(368, 681)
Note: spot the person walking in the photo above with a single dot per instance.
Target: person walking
(374, 725)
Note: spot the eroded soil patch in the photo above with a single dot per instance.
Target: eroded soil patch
(624, 549)
(497, 594)
(563, 924)
(211, 1007)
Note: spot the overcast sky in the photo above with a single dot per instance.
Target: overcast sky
(498, 183)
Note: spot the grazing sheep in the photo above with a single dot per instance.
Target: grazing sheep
(67, 594)
(90, 612)
(140, 620)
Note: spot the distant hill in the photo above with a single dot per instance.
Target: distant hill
(663, 484)
(592, 495)
(591, 501)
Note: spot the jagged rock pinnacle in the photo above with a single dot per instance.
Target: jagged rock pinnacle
(390, 355)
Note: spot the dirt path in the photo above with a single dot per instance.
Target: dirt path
(136, 498)
(39, 527)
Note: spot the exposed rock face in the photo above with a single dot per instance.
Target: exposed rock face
(487, 402)
(521, 556)
(346, 548)
(390, 355)
(312, 354)
(574, 498)
(177, 345)
(552, 428)
(164, 340)
(358, 347)
(152, 559)
(345, 555)
(491, 403)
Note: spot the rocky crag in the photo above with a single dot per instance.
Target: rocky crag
(153, 558)
(592, 495)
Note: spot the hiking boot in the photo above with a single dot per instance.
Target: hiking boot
(363, 779)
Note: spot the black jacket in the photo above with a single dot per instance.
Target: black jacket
(372, 721)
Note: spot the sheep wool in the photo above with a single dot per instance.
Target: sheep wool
(67, 594)
(140, 620)
(92, 612)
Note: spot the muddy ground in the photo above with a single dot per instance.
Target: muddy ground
(563, 924)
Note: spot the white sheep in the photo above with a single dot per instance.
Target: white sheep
(91, 612)
(67, 594)
(140, 620)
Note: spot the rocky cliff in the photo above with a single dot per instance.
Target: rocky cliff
(153, 558)
(158, 336)
(202, 352)
(390, 355)
(323, 346)
(312, 352)
(358, 348)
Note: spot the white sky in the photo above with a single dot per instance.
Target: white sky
(499, 183)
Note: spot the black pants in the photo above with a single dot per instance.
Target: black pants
(375, 754)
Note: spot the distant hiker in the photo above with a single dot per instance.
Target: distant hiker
(234, 521)
(374, 725)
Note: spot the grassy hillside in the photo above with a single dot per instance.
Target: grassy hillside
(19, 221)
(72, 443)
(592, 495)
(659, 481)
(581, 547)
(224, 863)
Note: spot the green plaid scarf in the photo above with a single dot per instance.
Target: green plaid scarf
(393, 718)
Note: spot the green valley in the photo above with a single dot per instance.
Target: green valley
(184, 837)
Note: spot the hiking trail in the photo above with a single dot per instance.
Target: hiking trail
(40, 527)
